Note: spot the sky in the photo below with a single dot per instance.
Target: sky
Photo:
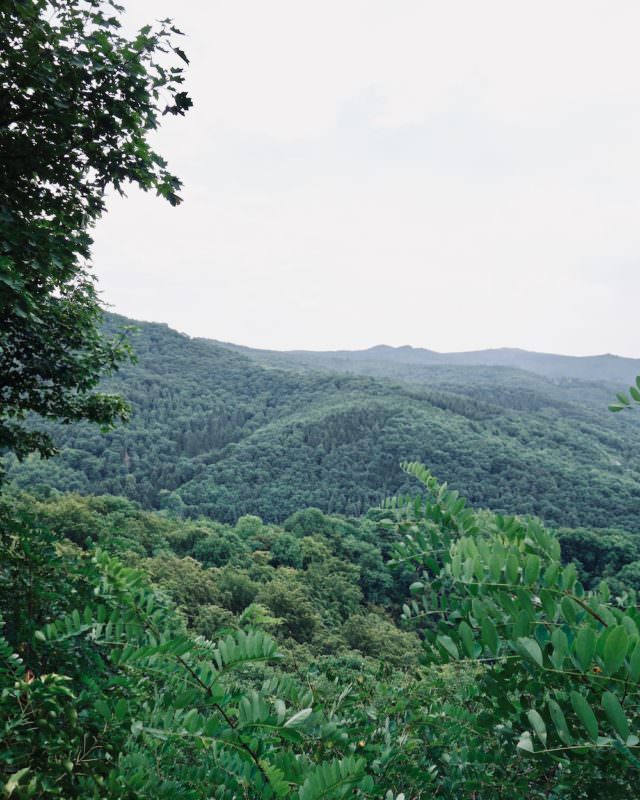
(452, 175)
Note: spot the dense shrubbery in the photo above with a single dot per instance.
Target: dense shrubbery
(105, 694)
(520, 683)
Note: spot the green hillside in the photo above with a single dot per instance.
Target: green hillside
(215, 433)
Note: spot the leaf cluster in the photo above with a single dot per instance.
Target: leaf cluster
(79, 99)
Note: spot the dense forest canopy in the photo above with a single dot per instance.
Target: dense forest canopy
(212, 432)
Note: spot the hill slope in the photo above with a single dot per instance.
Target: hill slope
(213, 432)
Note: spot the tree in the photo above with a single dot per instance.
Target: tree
(78, 101)
(288, 598)
(372, 635)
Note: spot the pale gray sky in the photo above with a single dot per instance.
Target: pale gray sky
(451, 175)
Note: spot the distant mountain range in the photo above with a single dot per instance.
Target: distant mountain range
(221, 430)
(384, 360)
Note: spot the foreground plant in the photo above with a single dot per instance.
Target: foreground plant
(558, 666)
(110, 697)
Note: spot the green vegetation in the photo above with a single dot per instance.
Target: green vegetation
(213, 433)
(627, 401)
(423, 649)
(310, 576)
(79, 100)
(109, 696)
(235, 642)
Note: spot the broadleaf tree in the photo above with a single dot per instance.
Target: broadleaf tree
(78, 101)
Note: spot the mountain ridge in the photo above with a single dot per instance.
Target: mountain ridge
(221, 432)
(605, 367)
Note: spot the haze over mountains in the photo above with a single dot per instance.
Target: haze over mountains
(222, 431)
(383, 359)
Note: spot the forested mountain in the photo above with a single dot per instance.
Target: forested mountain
(410, 362)
(215, 433)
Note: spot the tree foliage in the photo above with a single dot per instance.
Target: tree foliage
(627, 400)
(78, 102)
(105, 694)
(525, 683)
(558, 666)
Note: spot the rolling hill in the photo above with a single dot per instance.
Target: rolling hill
(224, 431)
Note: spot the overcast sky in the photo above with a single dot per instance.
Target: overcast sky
(451, 175)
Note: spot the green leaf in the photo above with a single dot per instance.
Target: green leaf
(585, 714)
(532, 569)
(489, 636)
(568, 610)
(560, 722)
(585, 647)
(299, 718)
(277, 779)
(525, 743)
(616, 715)
(538, 725)
(511, 568)
(569, 576)
(529, 649)
(548, 603)
(560, 647)
(449, 645)
(456, 566)
(121, 709)
(325, 780)
(193, 721)
(522, 624)
(551, 574)
(466, 634)
(12, 783)
(495, 566)
(615, 649)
